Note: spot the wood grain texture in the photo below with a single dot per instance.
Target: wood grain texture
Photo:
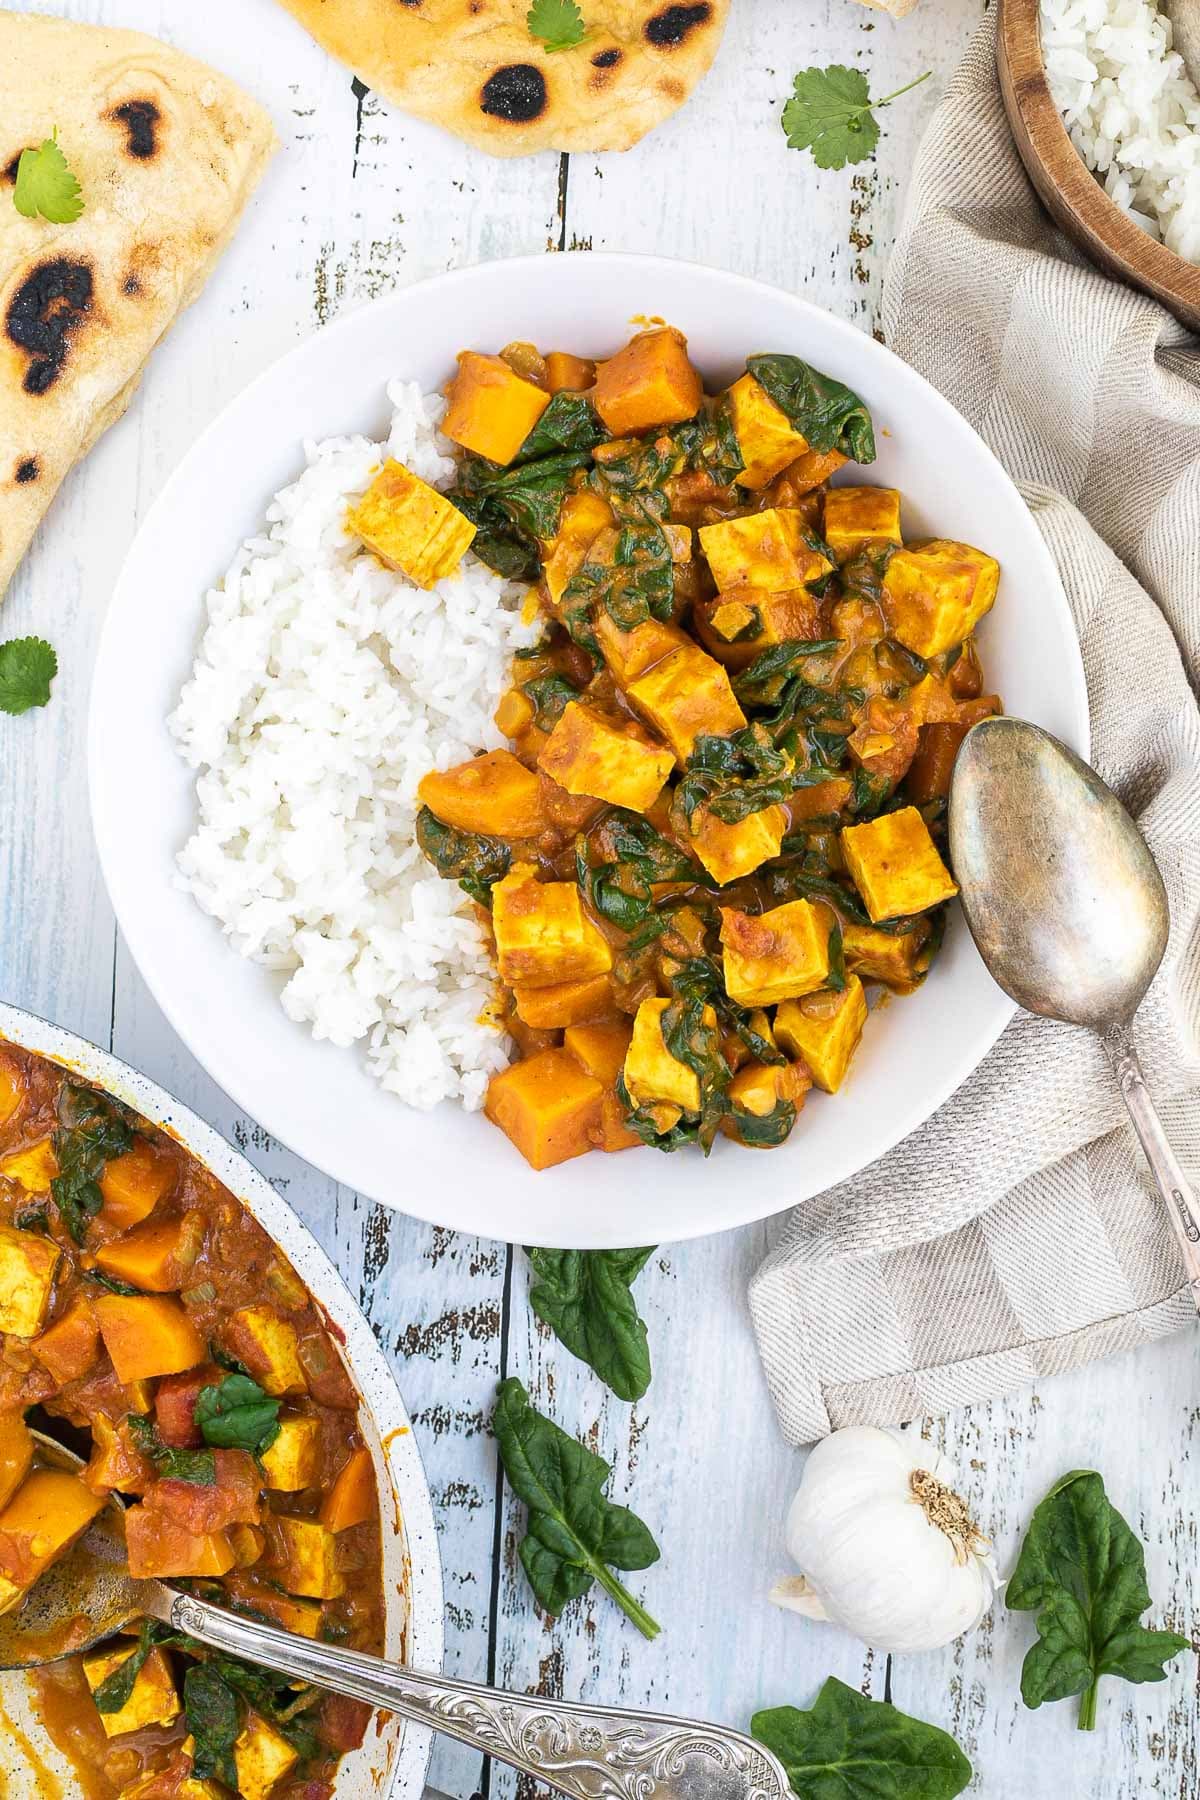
(361, 201)
(1067, 187)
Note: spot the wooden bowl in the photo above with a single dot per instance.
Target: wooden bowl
(1068, 189)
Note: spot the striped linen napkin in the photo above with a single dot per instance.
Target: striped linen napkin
(1016, 1233)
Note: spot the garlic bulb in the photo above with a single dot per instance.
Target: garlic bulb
(888, 1549)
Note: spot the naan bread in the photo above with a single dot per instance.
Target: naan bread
(472, 66)
(167, 152)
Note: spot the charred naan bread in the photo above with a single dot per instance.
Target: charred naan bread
(472, 66)
(167, 152)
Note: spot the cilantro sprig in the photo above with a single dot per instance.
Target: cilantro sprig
(556, 24)
(46, 185)
(831, 113)
(27, 667)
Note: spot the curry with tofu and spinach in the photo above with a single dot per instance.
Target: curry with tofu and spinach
(149, 1322)
(719, 821)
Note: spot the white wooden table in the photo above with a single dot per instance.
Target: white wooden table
(362, 201)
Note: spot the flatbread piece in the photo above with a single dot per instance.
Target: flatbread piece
(472, 66)
(167, 152)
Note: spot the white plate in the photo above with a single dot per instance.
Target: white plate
(392, 1761)
(450, 1167)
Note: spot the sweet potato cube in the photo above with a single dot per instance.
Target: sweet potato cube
(775, 955)
(601, 1049)
(823, 1030)
(71, 1346)
(182, 1787)
(857, 516)
(935, 592)
(33, 1169)
(648, 383)
(811, 468)
(766, 619)
(133, 1184)
(490, 408)
(768, 550)
(159, 1547)
(303, 1555)
(895, 865)
(116, 1462)
(493, 794)
(766, 436)
(352, 1499)
(410, 526)
(729, 852)
(547, 1105)
(47, 1513)
(152, 1700)
(290, 1613)
(27, 1266)
(156, 1256)
(584, 516)
(897, 959)
(267, 1343)
(569, 374)
(294, 1458)
(262, 1757)
(12, 1089)
(148, 1335)
(16, 1454)
(566, 1003)
(630, 653)
(686, 695)
(543, 935)
(588, 753)
(652, 1074)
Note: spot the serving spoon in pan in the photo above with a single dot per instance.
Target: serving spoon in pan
(1069, 912)
(586, 1752)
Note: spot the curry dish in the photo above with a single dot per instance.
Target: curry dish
(719, 823)
(168, 1340)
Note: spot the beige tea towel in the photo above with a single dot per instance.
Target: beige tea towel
(1016, 1235)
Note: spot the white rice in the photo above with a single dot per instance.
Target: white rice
(324, 689)
(1131, 109)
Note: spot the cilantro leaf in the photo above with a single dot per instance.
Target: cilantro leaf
(46, 185)
(27, 667)
(831, 113)
(557, 24)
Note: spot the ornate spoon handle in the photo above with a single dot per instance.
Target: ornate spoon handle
(587, 1752)
(1169, 1178)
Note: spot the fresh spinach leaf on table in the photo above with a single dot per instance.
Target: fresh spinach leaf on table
(829, 415)
(1083, 1572)
(846, 1747)
(237, 1414)
(90, 1134)
(575, 1535)
(585, 1297)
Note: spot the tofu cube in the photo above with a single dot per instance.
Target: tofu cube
(262, 1757)
(600, 1050)
(303, 1555)
(730, 852)
(47, 1513)
(630, 653)
(685, 696)
(410, 526)
(775, 955)
(33, 1169)
(543, 935)
(152, 1701)
(857, 516)
(493, 794)
(294, 1458)
(766, 436)
(566, 1003)
(895, 865)
(823, 1030)
(548, 1106)
(267, 1343)
(768, 550)
(935, 593)
(27, 1265)
(584, 516)
(898, 959)
(649, 383)
(652, 1075)
(490, 409)
(588, 753)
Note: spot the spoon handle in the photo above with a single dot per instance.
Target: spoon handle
(1177, 1192)
(586, 1752)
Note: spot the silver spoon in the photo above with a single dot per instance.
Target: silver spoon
(1068, 911)
(586, 1752)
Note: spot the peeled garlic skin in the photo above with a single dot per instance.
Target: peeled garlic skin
(870, 1557)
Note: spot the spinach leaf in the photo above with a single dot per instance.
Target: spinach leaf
(764, 1131)
(237, 1414)
(638, 584)
(91, 1133)
(275, 1697)
(837, 960)
(641, 1121)
(761, 683)
(110, 1283)
(528, 494)
(631, 856)
(828, 414)
(34, 1218)
(633, 482)
(575, 1535)
(214, 1720)
(114, 1691)
(474, 862)
(498, 542)
(700, 978)
(551, 695)
(584, 1296)
(196, 1466)
(568, 423)
(691, 1040)
(846, 1747)
(1082, 1570)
